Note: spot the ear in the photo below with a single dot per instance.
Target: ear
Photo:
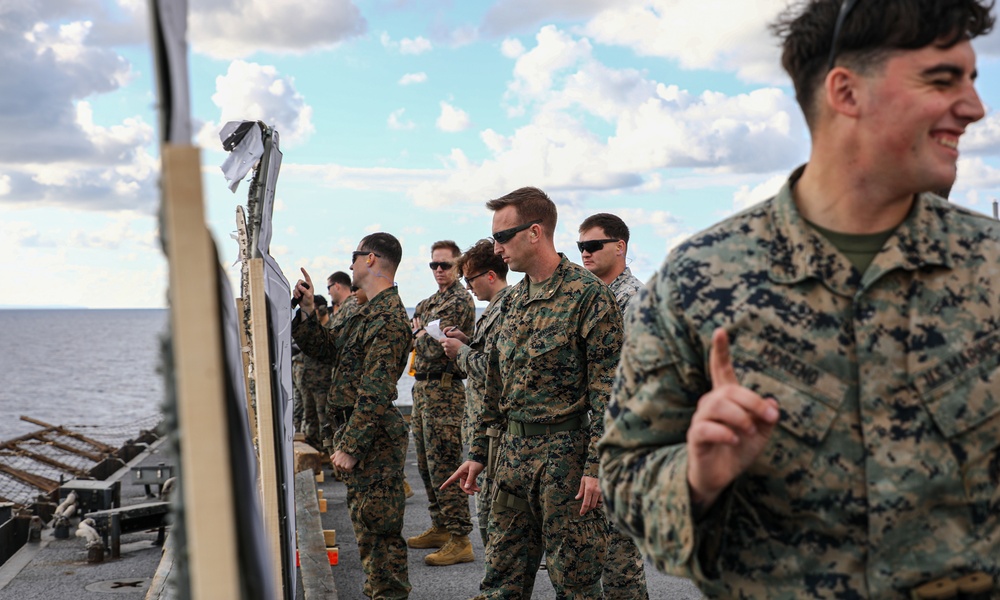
(843, 90)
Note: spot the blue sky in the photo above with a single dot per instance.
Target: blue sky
(402, 116)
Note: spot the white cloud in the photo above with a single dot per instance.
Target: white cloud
(982, 137)
(512, 48)
(745, 196)
(508, 16)
(251, 92)
(227, 30)
(452, 119)
(417, 45)
(676, 29)
(395, 121)
(411, 78)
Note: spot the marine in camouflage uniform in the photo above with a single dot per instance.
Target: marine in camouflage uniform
(551, 370)
(884, 471)
(472, 360)
(315, 388)
(625, 287)
(439, 410)
(370, 362)
(603, 245)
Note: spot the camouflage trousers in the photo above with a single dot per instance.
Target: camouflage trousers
(377, 515)
(624, 577)
(436, 422)
(484, 505)
(543, 472)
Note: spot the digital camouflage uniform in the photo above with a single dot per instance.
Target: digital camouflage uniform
(625, 287)
(439, 409)
(297, 393)
(552, 368)
(624, 577)
(472, 361)
(884, 469)
(337, 408)
(315, 386)
(370, 363)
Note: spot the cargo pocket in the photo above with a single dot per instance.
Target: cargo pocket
(381, 507)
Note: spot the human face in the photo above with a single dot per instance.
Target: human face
(605, 261)
(913, 112)
(360, 258)
(478, 283)
(444, 277)
(517, 251)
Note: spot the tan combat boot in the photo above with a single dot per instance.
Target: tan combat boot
(457, 550)
(435, 537)
(407, 490)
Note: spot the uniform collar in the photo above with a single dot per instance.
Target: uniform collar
(797, 251)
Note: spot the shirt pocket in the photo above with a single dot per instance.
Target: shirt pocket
(809, 400)
(961, 392)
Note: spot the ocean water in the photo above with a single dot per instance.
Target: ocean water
(92, 368)
(80, 367)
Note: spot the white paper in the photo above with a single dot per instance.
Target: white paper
(434, 330)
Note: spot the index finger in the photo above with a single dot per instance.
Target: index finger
(305, 276)
(720, 361)
(454, 477)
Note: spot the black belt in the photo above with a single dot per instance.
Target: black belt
(428, 376)
(532, 429)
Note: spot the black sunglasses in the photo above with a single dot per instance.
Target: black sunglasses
(506, 235)
(443, 265)
(468, 280)
(357, 253)
(845, 9)
(593, 245)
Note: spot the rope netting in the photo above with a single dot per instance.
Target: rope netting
(30, 466)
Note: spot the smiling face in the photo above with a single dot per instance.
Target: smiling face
(917, 106)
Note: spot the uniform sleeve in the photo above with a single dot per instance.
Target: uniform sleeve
(602, 334)
(385, 355)
(490, 415)
(315, 341)
(643, 452)
(472, 362)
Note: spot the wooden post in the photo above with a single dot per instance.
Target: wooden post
(270, 486)
(245, 353)
(209, 505)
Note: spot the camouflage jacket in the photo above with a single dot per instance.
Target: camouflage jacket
(555, 357)
(455, 308)
(624, 287)
(884, 470)
(371, 360)
(472, 359)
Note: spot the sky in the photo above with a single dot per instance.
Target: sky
(403, 116)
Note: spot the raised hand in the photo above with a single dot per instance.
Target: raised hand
(303, 292)
(729, 429)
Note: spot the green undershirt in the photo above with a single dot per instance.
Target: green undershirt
(860, 249)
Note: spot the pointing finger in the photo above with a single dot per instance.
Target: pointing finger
(720, 362)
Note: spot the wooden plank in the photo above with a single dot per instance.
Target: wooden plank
(68, 433)
(245, 352)
(317, 578)
(270, 485)
(65, 468)
(159, 588)
(209, 504)
(306, 457)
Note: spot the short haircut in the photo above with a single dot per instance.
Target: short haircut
(320, 300)
(870, 33)
(480, 258)
(531, 204)
(447, 245)
(385, 245)
(339, 277)
(322, 311)
(612, 225)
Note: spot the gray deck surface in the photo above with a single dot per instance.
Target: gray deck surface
(55, 568)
